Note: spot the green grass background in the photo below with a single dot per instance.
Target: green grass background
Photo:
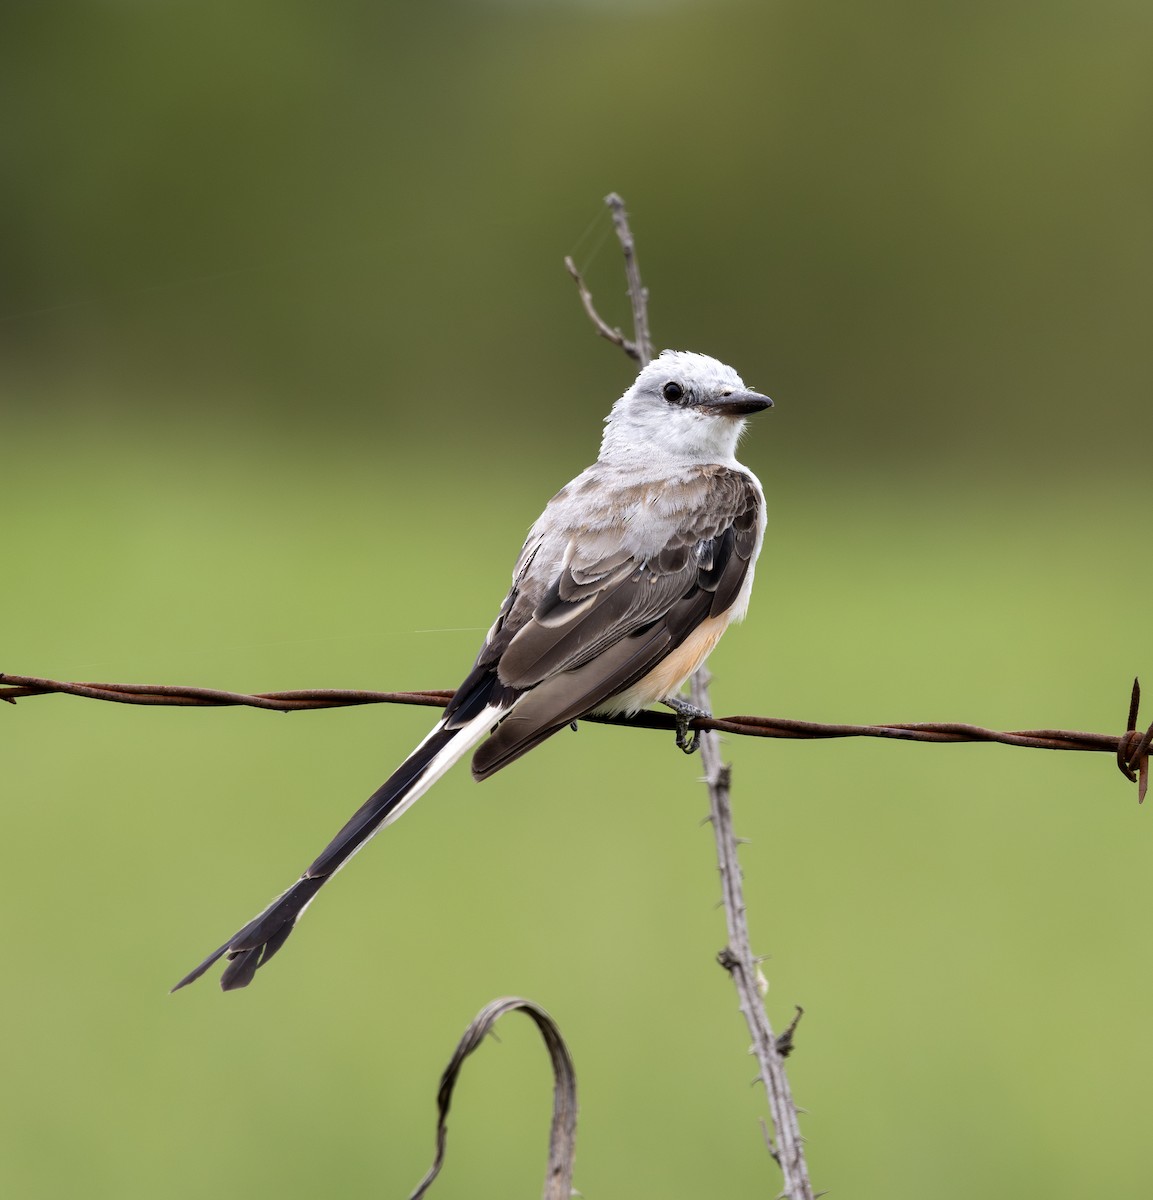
(290, 364)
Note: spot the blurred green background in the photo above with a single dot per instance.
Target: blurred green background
(289, 365)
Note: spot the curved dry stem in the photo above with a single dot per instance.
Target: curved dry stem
(562, 1133)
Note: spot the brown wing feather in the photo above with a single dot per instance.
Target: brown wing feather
(600, 627)
(565, 635)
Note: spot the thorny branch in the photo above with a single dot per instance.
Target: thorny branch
(788, 1148)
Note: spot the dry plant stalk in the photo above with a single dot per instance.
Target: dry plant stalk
(562, 1132)
(786, 1145)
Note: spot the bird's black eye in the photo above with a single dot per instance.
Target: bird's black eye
(673, 393)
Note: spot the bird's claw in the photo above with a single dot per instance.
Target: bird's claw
(688, 740)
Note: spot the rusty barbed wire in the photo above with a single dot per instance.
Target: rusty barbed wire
(1131, 749)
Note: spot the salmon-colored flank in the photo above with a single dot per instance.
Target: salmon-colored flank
(667, 676)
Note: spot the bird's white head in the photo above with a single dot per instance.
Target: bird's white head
(683, 407)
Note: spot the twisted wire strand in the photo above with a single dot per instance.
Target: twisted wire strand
(1131, 748)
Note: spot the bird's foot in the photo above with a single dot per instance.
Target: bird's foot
(688, 740)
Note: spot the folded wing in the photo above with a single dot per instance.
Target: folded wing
(601, 624)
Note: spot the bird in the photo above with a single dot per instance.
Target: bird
(624, 585)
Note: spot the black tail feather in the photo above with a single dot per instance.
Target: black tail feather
(369, 817)
(261, 938)
(242, 964)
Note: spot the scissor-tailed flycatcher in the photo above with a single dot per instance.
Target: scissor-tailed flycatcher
(624, 585)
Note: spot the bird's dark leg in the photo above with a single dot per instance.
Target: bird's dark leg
(686, 712)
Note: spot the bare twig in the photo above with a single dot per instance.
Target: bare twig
(641, 348)
(742, 964)
(638, 293)
(610, 332)
(562, 1134)
(738, 956)
(1132, 748)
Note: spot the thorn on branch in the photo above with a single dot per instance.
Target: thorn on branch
(785, 1042)
(774, 1153)
(728, 959)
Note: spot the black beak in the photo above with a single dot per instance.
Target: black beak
(737, 404)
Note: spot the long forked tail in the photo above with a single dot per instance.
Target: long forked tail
(262, 937)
